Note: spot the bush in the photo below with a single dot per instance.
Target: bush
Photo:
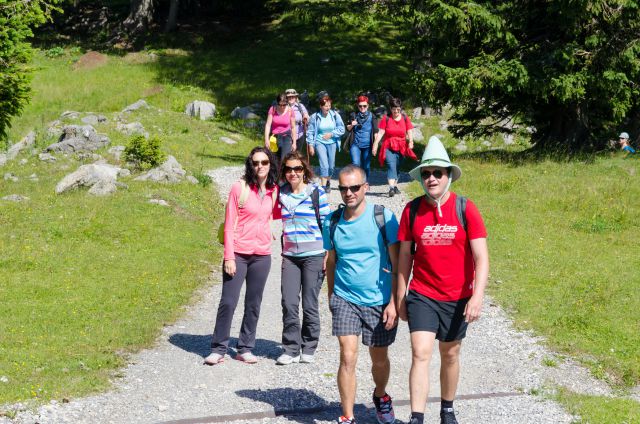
(144, 152)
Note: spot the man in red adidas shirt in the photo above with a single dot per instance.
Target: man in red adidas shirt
(450, 271)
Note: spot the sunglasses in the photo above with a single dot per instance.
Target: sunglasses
(282, 104)
(427, 174)
(353, 188)
(297, 169)
(260, 162)
(363, 105)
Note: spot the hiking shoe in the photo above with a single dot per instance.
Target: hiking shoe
(415, 420)
(285, 359)
(344, 420)
(214, 358)
(384, 409)
(307, 359)
(392, 192)
(247, 357)
(396, 189)
(447, 416)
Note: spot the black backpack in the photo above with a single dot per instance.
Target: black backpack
(461, 210)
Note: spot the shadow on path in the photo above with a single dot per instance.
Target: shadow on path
(200, 344)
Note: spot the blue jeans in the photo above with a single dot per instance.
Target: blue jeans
(327, 158)
(393, 160)
(361, 156)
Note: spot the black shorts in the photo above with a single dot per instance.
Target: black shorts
(446, 319)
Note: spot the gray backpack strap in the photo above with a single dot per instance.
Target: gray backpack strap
(315, 200)
(378, 214)
(413, 212)
(461, 211)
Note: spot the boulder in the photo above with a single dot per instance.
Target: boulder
(192, 179)
(104, 175)
(509, 139)
(10, 177)
(28, 141)
(228, 140)
(246, 112)
(201, 109)
(93, 119)
(140, 104)
(77, 138)
(134, 128)
(3, 159)
(169, 172)
(417, 134)
(47, 157)
(160, 202)
(15, 198)
(116, 151)
(54, 129)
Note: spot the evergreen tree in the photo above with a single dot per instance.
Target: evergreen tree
(569, 69)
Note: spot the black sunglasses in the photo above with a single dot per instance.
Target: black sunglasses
(260, 162)
(282, 104)
(296, 169)
(353, 188)
(427, 174)
(363, 105)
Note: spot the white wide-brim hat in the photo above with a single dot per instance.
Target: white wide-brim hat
(436, 155)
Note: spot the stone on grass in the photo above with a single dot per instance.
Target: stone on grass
(509, 139)
(79, 138)
(140, 104)
(246, 112)
(228, 140)
(54, 129)
(4, 379)
(10, 177)
(134, 128)
(417, 134)
(28, 141)
(104, 175)
(192, 179)
(94, 119)
(200, 109)
(47, 157)
(461, 147)
(169, 172)
(416, 113)
(486, 143)
(15, 198)
(70, 114)
(116, 151)
(159, 202)
(3, 159)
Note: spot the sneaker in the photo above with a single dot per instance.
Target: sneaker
(247, 357)
(307, 359)
(285, 359)
(384, 409)
(447, 416)
(344, 420)
(396, 189)
(392, 192)
(415, 420)
(213, 359)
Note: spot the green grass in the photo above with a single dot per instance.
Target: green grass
(600, 409)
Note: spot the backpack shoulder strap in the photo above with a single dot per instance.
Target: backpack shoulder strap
(335, 218)
(413, 211)
(315, 200)
(461, 211)
(378, 214)
(244, 193)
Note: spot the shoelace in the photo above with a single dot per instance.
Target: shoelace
(385, 404)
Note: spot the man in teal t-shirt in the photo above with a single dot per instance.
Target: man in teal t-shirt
(361, 280)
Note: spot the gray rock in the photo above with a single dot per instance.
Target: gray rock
(103, 188)
(124, 172)
(509, 139)
(47, 157)
(28, 141)
(416, 113)
(246, 112)
(3, 159)
(94, 119)
(10, 177)
(15, 198)
(192, 179)
(87, 156)
(76, 138)
(4, 379)
(54, 129)
(70, 114)
(88, 176)
(486, 143)
(169, 172)
(134, 128)
(253, 124)
(116, 151)
(444, 125)
(159, 202)
(228, 140)
(136, 106)
(417, 134)
(461, 147)
(33, 177)
(201, 109)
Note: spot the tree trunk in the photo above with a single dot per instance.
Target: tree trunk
(140, 16)
(172, 20)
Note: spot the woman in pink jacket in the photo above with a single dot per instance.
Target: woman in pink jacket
(247, 254)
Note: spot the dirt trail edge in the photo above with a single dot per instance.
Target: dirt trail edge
(502, 376)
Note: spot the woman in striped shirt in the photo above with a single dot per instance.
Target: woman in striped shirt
(304, 206)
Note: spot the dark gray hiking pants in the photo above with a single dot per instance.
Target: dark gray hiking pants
(301, 276)
(255, 268)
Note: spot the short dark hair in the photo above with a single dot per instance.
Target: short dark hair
(281, 98)
(295, 155)
(351, 169)
(249, 171)
(395, 102)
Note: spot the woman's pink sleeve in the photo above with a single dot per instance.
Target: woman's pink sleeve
(230, 217)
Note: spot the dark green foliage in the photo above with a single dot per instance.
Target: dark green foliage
(569, 69)
(17, 18)
(144, 152)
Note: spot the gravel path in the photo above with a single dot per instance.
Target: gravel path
(501, 381)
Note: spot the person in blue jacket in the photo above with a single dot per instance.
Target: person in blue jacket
(323, 137)
(624, 143)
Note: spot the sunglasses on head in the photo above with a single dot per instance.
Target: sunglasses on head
(427, 174)
(260, 162)
(297, 169)
(353, 188)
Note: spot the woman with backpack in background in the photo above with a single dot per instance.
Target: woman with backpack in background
(323, 136)
(301, 116)
(395, 131)
(247, 253)
(363, 126)
(281, 124)
(303, 206)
